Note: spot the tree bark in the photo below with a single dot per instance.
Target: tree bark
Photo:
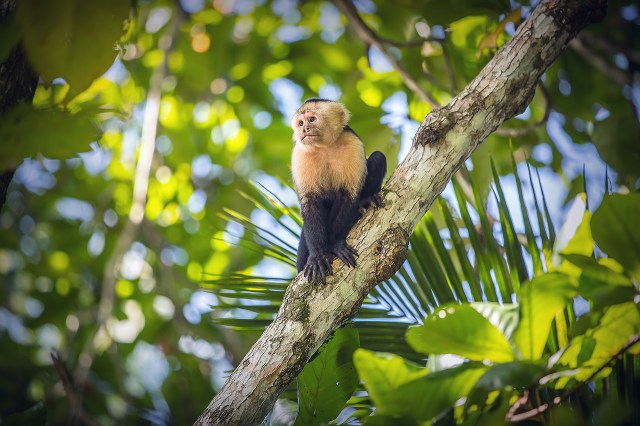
(17, 84)
(446, 138)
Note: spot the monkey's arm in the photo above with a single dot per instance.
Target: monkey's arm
(303, 252)
(314, 218)
(343, 215)
(345, 211)
(376, 170)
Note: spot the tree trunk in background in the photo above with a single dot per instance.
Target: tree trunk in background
(446, 138)
(17, 84)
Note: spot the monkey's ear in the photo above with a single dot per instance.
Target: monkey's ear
(343, 114)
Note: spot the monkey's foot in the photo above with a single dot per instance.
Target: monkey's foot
(374, 200)
(318, 267)
(345, 252)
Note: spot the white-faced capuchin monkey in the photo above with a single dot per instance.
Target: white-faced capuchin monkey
(334, 181)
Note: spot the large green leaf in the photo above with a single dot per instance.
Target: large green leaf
(429, 396)
(615, 229)
(26, 131)
(540, 300)
(326, 383)
(71, 39)
(400, 389)
(463, 331)
(382, 374)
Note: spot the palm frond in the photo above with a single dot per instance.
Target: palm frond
(458, 253)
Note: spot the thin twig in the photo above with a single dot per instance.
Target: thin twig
(621, 77)
(515, 418)
(518, 132)
(606, 45)
(369, 37)
(75, 400)
(450, 71)
(404, 43)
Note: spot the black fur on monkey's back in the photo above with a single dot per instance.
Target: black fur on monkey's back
(334, 181)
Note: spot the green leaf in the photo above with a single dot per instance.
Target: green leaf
(540, 300)
(542, 224)
(615, 229)
(468, 273)
(575, 234)
(382, 374)
(503, 316)
(71, 39)
(492, 250)
(26, 131)
(425, 260)
(599, 345)
(460, 330)
(600, 284)
(328, 381)
(445, 259)
(547, 214)
(512, 246)
(532, 246)
(482, 257)
(400, 389)
(582, 241)
(518, 374)
(428, 396)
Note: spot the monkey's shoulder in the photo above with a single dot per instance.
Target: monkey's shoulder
(342, 165)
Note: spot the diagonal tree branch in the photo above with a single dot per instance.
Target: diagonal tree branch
(517, 132)
(443, 142)
(369, 37)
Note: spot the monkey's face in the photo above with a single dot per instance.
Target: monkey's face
(318, 124)
(307, 127)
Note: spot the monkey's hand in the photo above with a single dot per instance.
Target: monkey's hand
(345, 252)
(367, 202)
(318, 267)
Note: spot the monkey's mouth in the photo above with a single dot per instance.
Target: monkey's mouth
(308, 136)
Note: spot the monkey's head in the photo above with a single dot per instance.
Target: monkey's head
(319, 122)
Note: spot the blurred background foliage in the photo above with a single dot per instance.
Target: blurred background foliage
(134, 161)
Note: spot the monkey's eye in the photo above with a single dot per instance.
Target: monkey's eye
(300, 123)
(312, 119)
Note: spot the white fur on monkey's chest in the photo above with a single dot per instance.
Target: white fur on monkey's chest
(341, 165)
